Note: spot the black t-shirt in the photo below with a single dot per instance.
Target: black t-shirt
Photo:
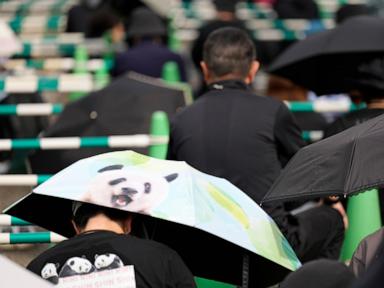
(155, 264)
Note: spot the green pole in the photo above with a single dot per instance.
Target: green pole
(32, 237)
(364, 219)
(205, 283)
(109, 55)
(102, 77)
(170, 72)
(19, 222)
(173, 42)
(159, 127)
(81, 60)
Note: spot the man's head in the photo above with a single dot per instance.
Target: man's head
(145, 25)
(93, 217)
(229, 53)
(225, 9)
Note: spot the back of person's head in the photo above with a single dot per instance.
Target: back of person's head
(350, 10)
(321, 273)
(82, 212)
(296, 9)
(92, 4)
(229, 51)
(101, 21)
(369, 79)
(143, 22)
(225, 5)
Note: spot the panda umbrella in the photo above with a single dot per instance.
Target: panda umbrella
(207, 220)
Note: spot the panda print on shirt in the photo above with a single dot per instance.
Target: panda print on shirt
(49, 272)
(80, 266)
(76, 266)
(107, 262)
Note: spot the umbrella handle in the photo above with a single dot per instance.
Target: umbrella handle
(245, 275)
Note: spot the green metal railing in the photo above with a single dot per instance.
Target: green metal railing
(30, 237)
(45, 109)
(61, 83)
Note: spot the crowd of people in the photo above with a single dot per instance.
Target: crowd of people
(228, 131)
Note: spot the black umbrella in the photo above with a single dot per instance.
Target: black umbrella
(344, 164)
(122, 108)
(326, 61)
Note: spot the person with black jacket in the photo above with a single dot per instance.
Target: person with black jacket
(232, 133)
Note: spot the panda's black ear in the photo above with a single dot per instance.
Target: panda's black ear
(171, 177)
(111, 167)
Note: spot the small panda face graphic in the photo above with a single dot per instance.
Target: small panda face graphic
(108, 261)
(80, 266)
(122, 188)
(49, 272)
(76, 266)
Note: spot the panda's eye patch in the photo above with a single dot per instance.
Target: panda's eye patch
(72, 263)
(110, 168)
(117, 181)
(147, 187)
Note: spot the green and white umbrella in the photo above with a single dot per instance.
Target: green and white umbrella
(209, 221)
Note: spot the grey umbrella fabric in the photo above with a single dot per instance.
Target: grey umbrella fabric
(325, 62)
(344, 164)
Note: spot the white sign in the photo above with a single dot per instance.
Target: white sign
(123, 277)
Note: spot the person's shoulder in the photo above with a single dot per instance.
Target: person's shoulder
(165, 50)
(264, 100)
(48, 254)
(122, 56)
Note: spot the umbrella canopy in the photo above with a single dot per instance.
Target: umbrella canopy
(325, 62)
(210, 222)
(344, 164)
(122, 108)
(13, 275)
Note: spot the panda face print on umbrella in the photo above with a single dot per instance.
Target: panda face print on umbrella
(182, 207)
(126, 190)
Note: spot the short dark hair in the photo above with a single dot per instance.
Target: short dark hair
(87, 211)
(229, 50)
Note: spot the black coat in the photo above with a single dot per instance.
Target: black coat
(232, 133)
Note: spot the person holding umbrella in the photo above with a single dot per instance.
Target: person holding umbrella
(103, 243)
(368, 85)
(219, 232)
